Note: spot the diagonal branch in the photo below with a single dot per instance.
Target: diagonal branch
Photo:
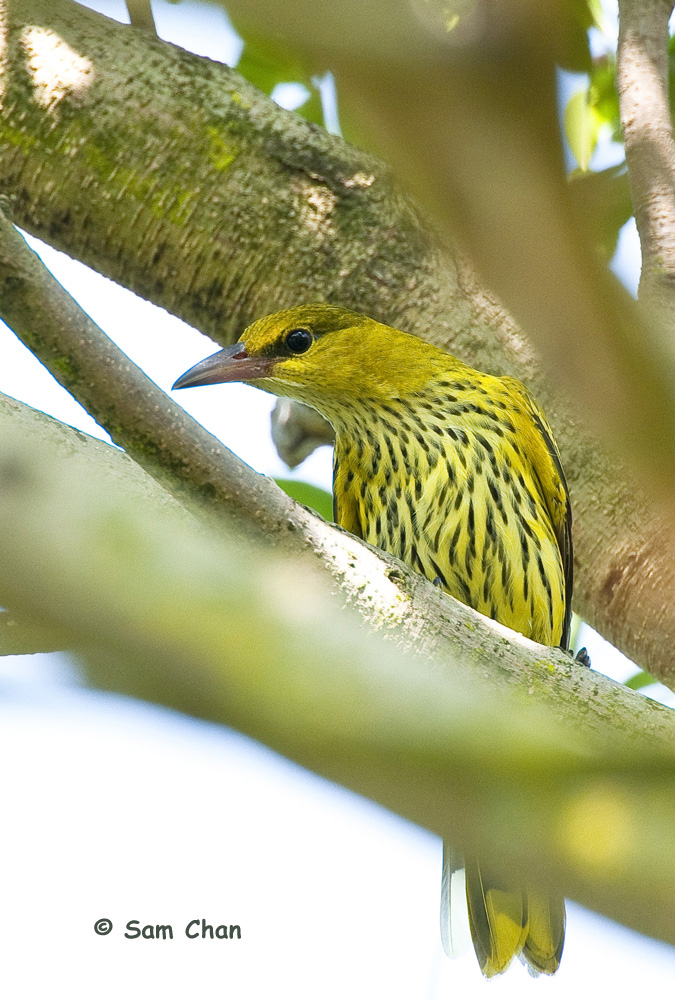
(471, 730)
(140, 418)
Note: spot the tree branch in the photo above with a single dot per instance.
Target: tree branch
(140, 15)
(155, 431)
(297, 430)
(472, 730)
(642, 77)
(204, 197)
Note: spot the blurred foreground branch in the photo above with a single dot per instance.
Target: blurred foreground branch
(18, 636)
(471, 731)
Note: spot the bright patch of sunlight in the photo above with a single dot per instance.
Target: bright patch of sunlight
(56, 68)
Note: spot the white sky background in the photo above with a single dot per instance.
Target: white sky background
(117, 809)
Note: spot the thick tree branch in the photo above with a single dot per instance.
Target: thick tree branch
(643, 84)
(472, 731)
(175, 177)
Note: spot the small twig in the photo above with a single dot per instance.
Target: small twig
(140, 15)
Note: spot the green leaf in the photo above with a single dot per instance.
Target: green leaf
(596, 14)
(265, 63)
(311, 496)
(602, 94)
(582, 125)
(639, 680)
(312, 109)
(602, 200)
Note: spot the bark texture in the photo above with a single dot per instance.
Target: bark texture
(172, 175)
(643, 85)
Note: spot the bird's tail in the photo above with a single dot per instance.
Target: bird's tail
(503, 921)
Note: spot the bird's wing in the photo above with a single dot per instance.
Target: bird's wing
(547, 467)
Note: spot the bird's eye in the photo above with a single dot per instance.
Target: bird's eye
(299, 341)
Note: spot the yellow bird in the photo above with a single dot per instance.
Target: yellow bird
(456, 473)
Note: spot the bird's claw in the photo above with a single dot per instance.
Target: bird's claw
(583, 658)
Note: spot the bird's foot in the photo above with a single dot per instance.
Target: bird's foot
(581, 658)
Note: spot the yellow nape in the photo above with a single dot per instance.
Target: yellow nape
(351, 357)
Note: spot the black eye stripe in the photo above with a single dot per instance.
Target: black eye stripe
(299, 340)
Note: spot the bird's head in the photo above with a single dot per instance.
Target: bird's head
(322, 355)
